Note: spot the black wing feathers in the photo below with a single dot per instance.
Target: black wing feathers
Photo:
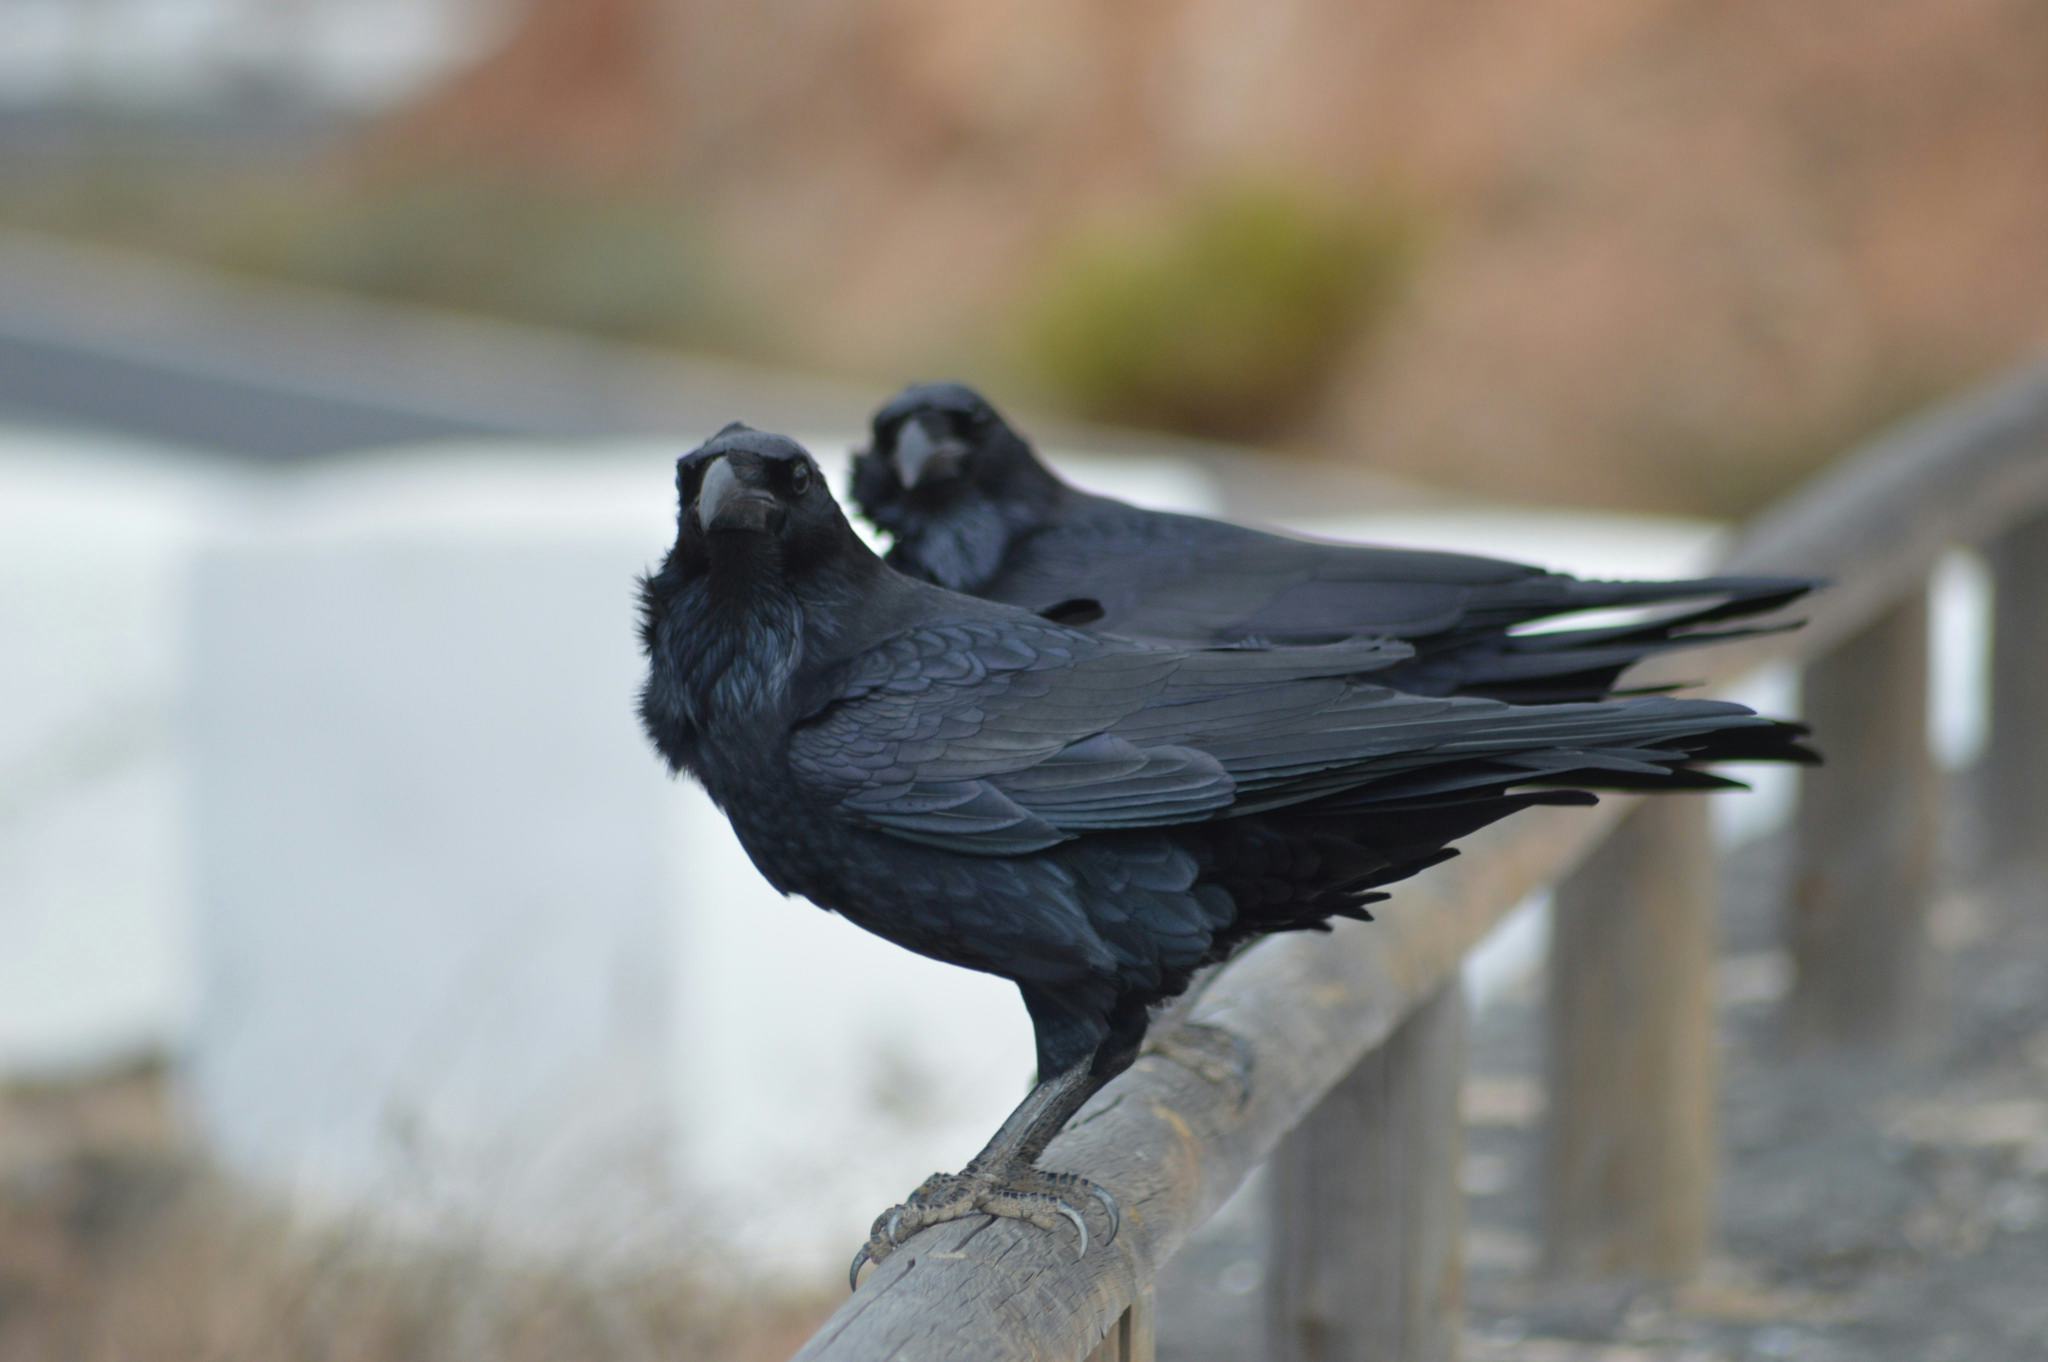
(1187, 580)
(1001, 737)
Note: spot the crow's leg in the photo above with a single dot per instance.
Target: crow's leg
(1004, 1179)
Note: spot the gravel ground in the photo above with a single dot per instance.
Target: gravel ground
(1876, 1210)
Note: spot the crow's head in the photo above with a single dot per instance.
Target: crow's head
(756, 501)
(937, 440)
(943, 470)
(764, 570)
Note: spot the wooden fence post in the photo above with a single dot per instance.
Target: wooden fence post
(1367, 1259)
(1132, 1337)
(2014, 784)
(1630, 1152)
(1867, 832)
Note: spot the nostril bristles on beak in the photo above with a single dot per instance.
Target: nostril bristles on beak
(719, 484)
(725, 502)
(914, 450)
(918, 456)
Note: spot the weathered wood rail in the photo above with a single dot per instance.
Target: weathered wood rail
(1358, 1038)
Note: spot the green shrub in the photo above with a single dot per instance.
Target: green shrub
(1224, 318)
(635, 265)
(619, 266)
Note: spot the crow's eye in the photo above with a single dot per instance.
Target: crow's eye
(800, 478)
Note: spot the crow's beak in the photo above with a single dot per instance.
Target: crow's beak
(918, 456)
(725, 503)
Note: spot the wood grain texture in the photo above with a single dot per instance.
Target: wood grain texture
(1134, 1337)
(1629, 1156)
(1366, 1260)
(2014, 784)
(1867, 834)
(1173, 1146)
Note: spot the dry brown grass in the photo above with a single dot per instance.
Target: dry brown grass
(117, 1244)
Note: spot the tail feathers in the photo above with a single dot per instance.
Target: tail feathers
(1647, 744)
(1743, 595)
(1333, 853)
(1573, 665)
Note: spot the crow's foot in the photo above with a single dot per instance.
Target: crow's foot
(1019, 1192)
(1216, 1053)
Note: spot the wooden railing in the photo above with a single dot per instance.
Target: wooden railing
(1358, 1038)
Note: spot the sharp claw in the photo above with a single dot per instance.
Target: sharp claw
(1023, 1194)
(1109, 1208)
(1080, 1228)
(853, 1273)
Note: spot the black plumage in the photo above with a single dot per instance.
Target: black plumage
(973, 508)
(1090, 817)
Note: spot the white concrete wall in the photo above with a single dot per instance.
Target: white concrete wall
(432, 859)
(96, 539)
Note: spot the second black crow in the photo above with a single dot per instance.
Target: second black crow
(973, 508)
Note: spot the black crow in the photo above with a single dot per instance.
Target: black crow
(973, 508)
(1092, 818)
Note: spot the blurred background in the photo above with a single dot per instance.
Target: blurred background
(365, 989)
